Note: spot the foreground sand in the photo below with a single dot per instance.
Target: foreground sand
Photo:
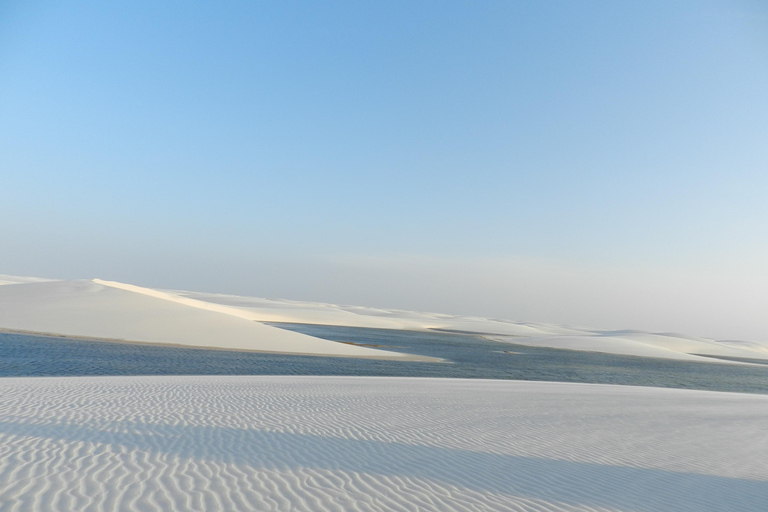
(349, 443)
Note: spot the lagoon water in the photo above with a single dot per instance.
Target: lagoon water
(467, 356)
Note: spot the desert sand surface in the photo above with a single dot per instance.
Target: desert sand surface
(112, 310)
(6, 279)
(105, 310)
(626, 342)
(364, 443)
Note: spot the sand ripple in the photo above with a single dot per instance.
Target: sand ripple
(328, 443)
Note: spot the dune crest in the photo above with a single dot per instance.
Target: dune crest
(208, 306)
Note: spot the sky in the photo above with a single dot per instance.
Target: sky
(590, 163)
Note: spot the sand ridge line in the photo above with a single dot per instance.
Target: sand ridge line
(207, 306)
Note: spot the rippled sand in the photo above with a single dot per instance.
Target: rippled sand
(349, 443)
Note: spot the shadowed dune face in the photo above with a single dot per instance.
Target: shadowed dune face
(377, 444)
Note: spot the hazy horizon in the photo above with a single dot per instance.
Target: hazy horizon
(592, 164)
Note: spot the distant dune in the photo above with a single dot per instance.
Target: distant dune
(111, 310)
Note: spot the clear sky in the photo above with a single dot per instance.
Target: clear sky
(593, 163)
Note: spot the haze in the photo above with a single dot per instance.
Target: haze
(588, 163)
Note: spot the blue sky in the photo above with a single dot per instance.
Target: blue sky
(593, 163)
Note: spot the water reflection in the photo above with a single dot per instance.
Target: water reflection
(470, 356)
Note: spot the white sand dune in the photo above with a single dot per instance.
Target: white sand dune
(643, 344)
(276, 310)
(375, 444)
(6, 279)
(637, 343)
(106, 310)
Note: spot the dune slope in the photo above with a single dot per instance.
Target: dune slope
(637, 343)
(105, 310)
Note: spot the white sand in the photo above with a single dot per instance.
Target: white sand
(639, 343)
(6, 279)
(346, 443)
(330, 443)
(99, 309)
(106, 309)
